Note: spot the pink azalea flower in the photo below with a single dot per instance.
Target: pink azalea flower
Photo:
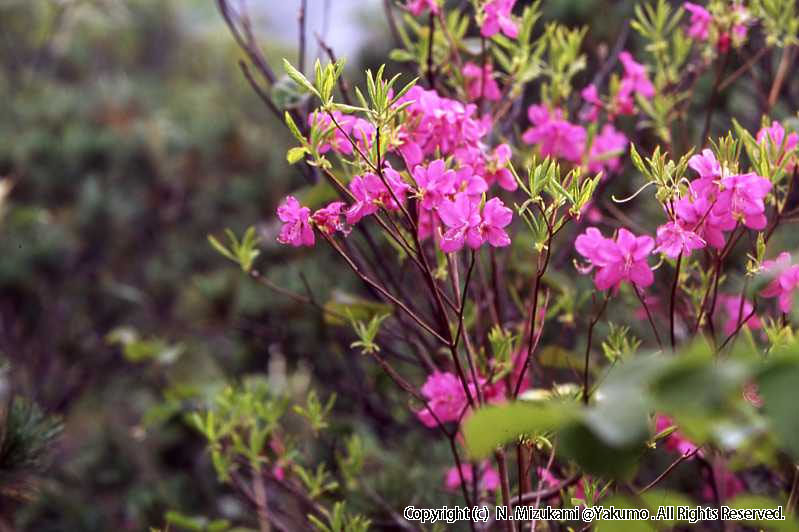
(491, 228)
(497, 168)
(635, 77)
(700, 21)
(555, 136)
(591, 97)
(785, 282)
(697, 214)
(481, 81)
(462, 219)
(328, 219)
(606, 149)
(296, 229)
(417, 7)
(498, 17)
(623, 259)
(706, 165)
(361, 131)
(487, 481)
(445, 397)
(434, 182)
(743, 195)
(673, 238)
(439, 126)
(370, 193)
(775, 136)
(469, 183)
(674, 441)
(735, 312)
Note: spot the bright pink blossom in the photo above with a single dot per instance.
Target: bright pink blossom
(700, 21)
(674, 238)
(445, 397)
(435, 181)
(462, 218)
(743, 195)
(785, 282)
(675, 441)
(370, 193)
(328, 219)
(591, 97)
(737, 311)
(499, 17)
(296, 229)
(705, 164)
(623, 259)
(417, 7)
(606, 149)
(635, 78)
(497, 168)
(481, 82)
(361, 131)
(494, 219)
(555, 136)
(436, 126)
(775, 136)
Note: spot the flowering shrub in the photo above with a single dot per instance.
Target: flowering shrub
(489, 217)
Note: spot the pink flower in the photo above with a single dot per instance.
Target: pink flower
(673, 238)
(736, 311)
(417, 7)
(361, 131)
(469, 183)
(674, 441)
(296, 229)
(487, 481)
(495, 217)
(481, 82)
(700, 21)
(785, 282)
(370, 193)
(498, 16)
(434, 182)
(445, 397)
(775, 136)
(621, 260)
(328, 219)
(555, 136)
(697, 214)
(497, 168)
(440, 127)
(591, 97)
(635, 77)
(743, 195)
(462, 219)
(706, 165)
(606, 149)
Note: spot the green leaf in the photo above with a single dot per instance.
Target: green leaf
(777, 384)
(492, 426)
(299, 78)
(296, 154)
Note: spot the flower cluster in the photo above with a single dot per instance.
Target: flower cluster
(622, 259)
(721, 29)
(714, 204)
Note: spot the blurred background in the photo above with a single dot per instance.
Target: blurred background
(127, 135)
